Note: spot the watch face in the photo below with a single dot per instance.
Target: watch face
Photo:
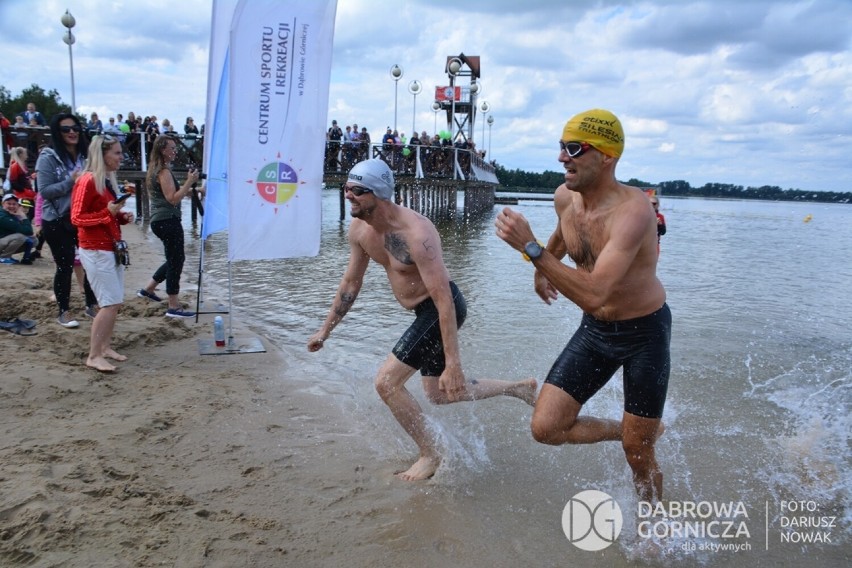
(533, 250)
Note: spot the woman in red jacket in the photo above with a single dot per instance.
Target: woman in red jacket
(98, 218)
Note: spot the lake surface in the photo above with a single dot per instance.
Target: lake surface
(759, 397)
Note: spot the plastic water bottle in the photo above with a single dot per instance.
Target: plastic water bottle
(219, 331)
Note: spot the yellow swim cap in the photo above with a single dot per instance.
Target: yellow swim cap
(598, 127)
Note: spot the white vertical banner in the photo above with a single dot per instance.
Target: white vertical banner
(216, 120)
(279, 69)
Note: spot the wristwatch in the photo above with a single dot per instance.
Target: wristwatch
(532, 251)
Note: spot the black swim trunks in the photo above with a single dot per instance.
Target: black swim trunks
(421, 346)
(599, 348)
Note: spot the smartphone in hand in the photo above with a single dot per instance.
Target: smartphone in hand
(121, 198)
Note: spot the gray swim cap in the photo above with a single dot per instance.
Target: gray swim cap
(375, 175)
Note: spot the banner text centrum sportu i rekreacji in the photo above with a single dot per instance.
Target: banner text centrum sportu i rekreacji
(279, 68)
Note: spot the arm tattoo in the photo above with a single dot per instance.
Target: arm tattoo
(398, 248)
(430, 249)
(346, 300)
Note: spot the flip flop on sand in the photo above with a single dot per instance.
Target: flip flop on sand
(29, 324)
(18, 327)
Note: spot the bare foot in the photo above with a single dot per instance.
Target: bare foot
(100, 364)
(424, 468)
(110, 354)
(525, 390)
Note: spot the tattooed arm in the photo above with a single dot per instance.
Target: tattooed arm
(348, 290)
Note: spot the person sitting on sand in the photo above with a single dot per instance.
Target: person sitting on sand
(408, 246)
(16, 232)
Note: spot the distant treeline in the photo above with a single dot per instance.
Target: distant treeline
(547, 182)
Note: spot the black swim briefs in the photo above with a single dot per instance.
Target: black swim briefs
(421, 346)
(599, 348)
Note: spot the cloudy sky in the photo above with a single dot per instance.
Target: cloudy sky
(746, 92)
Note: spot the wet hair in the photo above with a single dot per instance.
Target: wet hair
(57, 143)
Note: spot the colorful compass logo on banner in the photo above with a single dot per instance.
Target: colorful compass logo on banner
(277, 182)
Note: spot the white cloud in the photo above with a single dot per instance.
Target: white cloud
(709, 91)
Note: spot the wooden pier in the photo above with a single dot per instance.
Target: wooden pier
(428, 178)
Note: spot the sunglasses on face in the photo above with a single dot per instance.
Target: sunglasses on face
(574, 149)
(357, 190)
(67, 129)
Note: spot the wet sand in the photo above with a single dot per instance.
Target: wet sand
(176, 459)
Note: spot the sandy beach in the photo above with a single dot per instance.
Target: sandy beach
(177, 459)
(286, 458)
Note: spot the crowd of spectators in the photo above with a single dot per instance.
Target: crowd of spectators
(436, 154)
(345, 145)
(28, 128)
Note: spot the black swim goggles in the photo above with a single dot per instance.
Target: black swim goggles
(357, 190)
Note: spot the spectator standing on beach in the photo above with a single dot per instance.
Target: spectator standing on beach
(98, 216)
(166, 197)
(16, 232)
(408, 246)
(57, 169)
(609, 232)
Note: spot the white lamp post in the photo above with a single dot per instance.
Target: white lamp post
(490, 122)
(475, 91)
(436, 107)
(484, 107)
(414, 88)
(69, 22)
(396, 75)
(453, 68)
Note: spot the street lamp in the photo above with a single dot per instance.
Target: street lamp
(453, 69)
(475, 91)
(69, 22)
(490, 122)
(436, 107)
(396, 75)
(484, 107)
(414, 88)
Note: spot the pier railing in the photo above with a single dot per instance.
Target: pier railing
(428, 177)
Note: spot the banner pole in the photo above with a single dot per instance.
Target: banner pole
(230, 310)
(200, 273)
